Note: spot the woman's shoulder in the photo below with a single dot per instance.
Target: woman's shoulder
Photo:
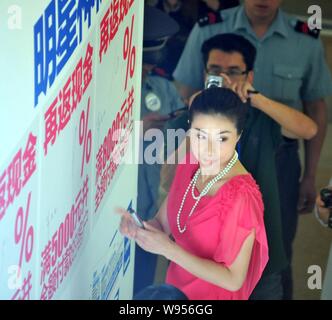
(244, 180)
(242, 187)
(243, 201)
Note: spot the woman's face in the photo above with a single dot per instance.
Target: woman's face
(213, 140)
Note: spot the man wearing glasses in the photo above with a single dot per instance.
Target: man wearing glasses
(233, 56)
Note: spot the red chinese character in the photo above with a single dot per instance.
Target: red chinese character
(85, 191)
(53, 283)
(43, 295)
(124, 8)
(114, 19)
(104, 36)
(26, 287)
(130, 102)
(97, 198)
(87, 67)
(29, 158)
(51, 125)
(60, 271)
(77, 85)
(45, 262)
(24, 290)
(99, 163)
(127, 109)
(67, 260)
(3, 195)
(14, 177)
(64, 108)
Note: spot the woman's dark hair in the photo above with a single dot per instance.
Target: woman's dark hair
(220, 101)
(230, 43)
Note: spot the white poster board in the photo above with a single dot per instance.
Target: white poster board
(70, 94)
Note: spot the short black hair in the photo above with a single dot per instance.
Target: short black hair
(220, 101)
(230, 43)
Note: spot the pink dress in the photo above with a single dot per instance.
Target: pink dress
(216, 231)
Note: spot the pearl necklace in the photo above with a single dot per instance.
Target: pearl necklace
(204, 192)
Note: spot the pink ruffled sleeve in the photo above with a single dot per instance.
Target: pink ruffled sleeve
(244, 215)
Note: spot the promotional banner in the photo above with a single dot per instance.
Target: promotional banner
(70, 95)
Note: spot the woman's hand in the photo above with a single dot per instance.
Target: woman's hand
(128, 226)
(153, 240)
(150, 239)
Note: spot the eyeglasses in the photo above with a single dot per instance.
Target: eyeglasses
(231, 73)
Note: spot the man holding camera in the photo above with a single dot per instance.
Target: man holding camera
(290, 68)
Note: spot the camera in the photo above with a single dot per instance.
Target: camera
(213, 81)
(326, 196)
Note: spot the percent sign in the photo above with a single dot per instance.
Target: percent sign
(129, 51)
(22, 234)
(85, 137)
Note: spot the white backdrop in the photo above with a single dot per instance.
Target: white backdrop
(70, 93)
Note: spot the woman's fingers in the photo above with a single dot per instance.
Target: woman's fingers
(127, 226)
(150, 227)
(128, 229)
(122, 212)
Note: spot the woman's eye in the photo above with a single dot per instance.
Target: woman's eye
(222, 139)
(200, 136)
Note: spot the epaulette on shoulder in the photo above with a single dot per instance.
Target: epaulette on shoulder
(209, 19)
(303, 27)
(160, 72)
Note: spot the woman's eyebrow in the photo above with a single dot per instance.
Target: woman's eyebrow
(201, 130)
(222, 132)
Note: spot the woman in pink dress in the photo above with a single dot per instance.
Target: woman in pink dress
(211, 225)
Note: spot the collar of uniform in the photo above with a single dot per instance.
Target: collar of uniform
(278, 26)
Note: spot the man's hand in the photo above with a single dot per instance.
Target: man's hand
(242, 88)
(307, 195)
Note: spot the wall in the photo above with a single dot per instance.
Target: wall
(70, 93)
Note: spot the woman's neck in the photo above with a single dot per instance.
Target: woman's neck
(208, 175)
